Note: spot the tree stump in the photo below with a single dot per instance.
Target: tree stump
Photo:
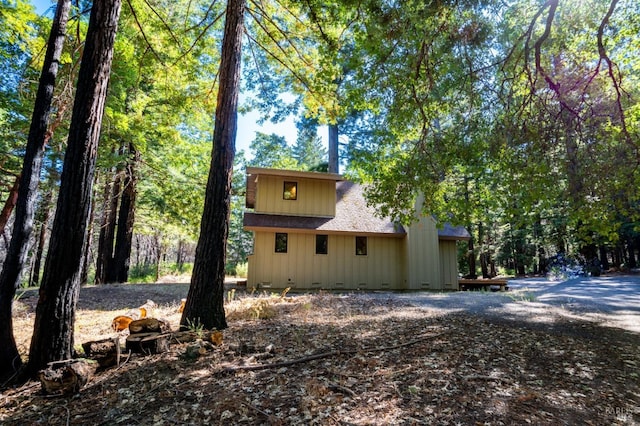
(106, 352)
(65, 377)
(148, 325)
(148, 343)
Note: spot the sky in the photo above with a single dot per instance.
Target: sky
(247, 123)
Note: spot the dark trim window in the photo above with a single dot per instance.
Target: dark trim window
(290, 191)
(361, 246)
(322, 244)
(281, 242)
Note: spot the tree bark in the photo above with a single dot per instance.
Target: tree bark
(632, 253)
(55, 313)
(104, 260)
(205, 300)
(42, 239)
(604, 260)
(88, 244)
(471, 258)
(10, 361)
(9, 205)
(126, 219)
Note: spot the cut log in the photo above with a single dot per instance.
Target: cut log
(142, 311)
(149, 325)
(197, 349)
(184, 336)
(106, 352)
(121, 323)
(65, 377)
(148, 343)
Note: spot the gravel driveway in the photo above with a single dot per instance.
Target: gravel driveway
(612, 301)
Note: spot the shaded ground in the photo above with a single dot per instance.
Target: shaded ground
(451, 358)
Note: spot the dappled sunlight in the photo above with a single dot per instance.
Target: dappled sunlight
(451, 358)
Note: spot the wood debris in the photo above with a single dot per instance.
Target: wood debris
(332, 359)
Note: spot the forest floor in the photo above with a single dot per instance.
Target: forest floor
(353, 359)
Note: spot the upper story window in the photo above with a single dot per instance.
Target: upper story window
(281, 242)
(290, 191)
(361, 246)
(322, 244)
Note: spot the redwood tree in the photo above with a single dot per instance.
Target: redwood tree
(126, 216)
(205, 301)
(108, 230)
(55, 314)
(10, 361)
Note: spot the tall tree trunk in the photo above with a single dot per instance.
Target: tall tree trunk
(604, 260)
(157, 255)
(10, 361)
(333, 149)
(42, 239)
(471, 258)
(179, 257)
(126, 219)
(632, 253)
(205, 301)
(9, 204)
(55, 313)
(86, 253)
(104, 259)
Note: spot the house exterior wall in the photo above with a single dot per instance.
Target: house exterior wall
(449, 264)
(340, 268)
(424, 266)
(314, 197)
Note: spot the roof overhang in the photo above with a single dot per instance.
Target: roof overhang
(311, 225)
(449, 232)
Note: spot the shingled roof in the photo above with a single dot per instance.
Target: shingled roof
(353, 216)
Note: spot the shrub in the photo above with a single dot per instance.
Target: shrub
(242, 269)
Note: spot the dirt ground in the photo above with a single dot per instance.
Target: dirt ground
(347, 359)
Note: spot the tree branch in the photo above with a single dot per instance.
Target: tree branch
(233, 369)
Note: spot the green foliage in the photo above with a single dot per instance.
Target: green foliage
(22, 40)
(242, 269)
(142, 274)
(308, 150)
(441, 99)
(272, 151)
(146, 273)
(240, 242)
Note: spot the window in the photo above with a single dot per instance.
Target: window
(281, 242)
(361, 246)
(290, 191)
(322, 244)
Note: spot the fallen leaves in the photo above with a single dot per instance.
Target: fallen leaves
(331, 359)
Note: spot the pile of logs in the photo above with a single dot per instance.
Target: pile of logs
(146, 336)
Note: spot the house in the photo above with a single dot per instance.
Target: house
(315, 231)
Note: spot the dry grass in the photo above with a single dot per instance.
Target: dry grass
(463, 368)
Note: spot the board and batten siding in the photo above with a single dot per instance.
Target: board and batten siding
(423, 260)
(449, 264)
(314, 197)
(341, 268)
